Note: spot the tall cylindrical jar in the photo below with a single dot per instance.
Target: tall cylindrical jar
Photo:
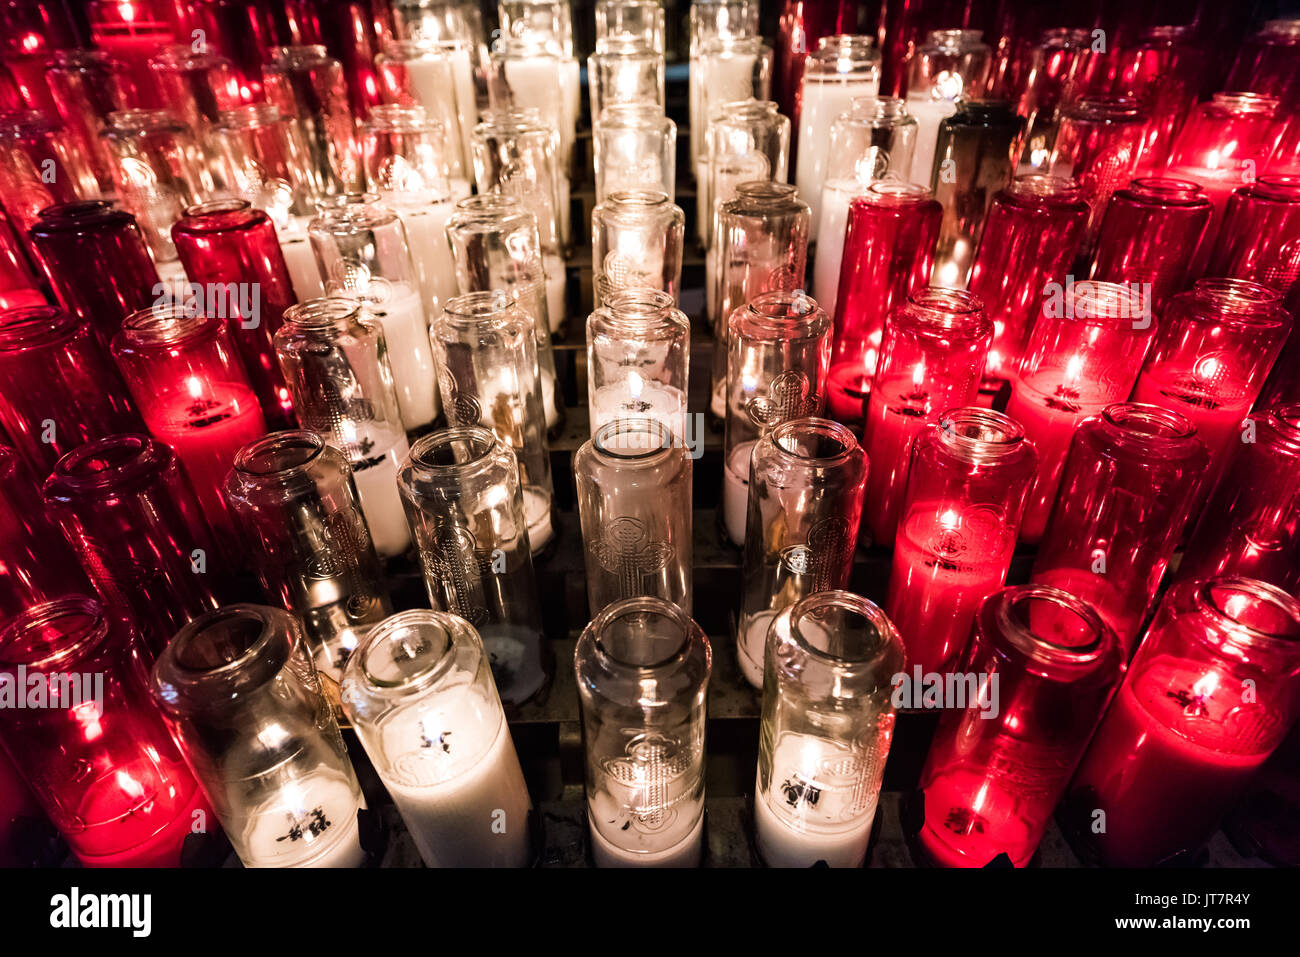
(805, 499)
(748, 141)
(310, 546)
(778, 350)
(634, 146)
(643, 667)
(364, 254)
(487, 359)
(1040, 671)
(825, 730)
(1127, 489)
(950, 65)
(931, 355)
(1210, 694)
(242, 699)
(966, 488)
(633, 482)
(436, 75)
(101, 762)
(419, 693)
(336, 365)
(140, 532)
(637, 237)
(623, 70)
(888, 253)
(466, 506)
(304, 82)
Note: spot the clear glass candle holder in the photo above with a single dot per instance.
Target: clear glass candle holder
(86, 86)
(638, 358)
(840, 70)
(466, 504)
(336, 365)
(1126, 493)
(531, 74)
(806, 481)
(196, 84)
(265, 159)
(949, 66)
(420, 694)
(931, 355)
(310, 545)
(637, 236)
(966, 486)
(639, 20)
(1084, 352)
(437, 75)
(713, 24)
(748, 141)
(364, 253)
(825, 730)
(104, 768)
(634, 147)
(633, 481)
(39, 167)
(888, 252)
(778, 350)
(624, 70)
(242, 699)
(1047, 666)
(140, 532)
(306, 83)
(728, 67)
(1180, 733)
(642, 667)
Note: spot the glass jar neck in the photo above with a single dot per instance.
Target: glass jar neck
(643, 637)
(1280, 426)
(409, 653)
(978, 436)
(93, 214)
(842, 642)
(1148, 432)
(217, 660)
(1249, 619)
(321, 315)
(1243, 104)
(280, 456)
(143, 122)
(1235, 301)
(167, 325)
(1106, 110)
(108, 467)
(55, 634)
(954, 313)
(642, 314)
(892, 192)
(1279, 187)
(219, 215)
(812, 443)
(36, 327)
(488, 309)
(250, 116)
(1166, 191)
(1038, 187)
(629, 443)
(1050, 627)
(842, 55)
(783, 315)
(450, 456)
(1108, 303)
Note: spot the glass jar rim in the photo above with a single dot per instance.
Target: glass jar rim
(1236, 302)
(895, 192)
(1168, 189)
(1012, 625)
(873, 108)
(1142, 429)
(394, 630)
(644, 605)
(185, 55)
(642, 313)
(975, 433)
(1243, 101)
(1208, 599)
(217, 215)
(414, 48)
(476, 308)
(636, 200)
(785, 437)
(1108, 109)
(1284, 187)
(249, 116)
(1046, 187)
(844, 53)
(299, 447)
(781, 314)
(322, 312)
(1107, 303)
(37, 621)
(657, 446)
(948, 309)
(300, 54)
(869, 655)
(955, 39)
(481, 443)
(33, 327)
(1283, 420)
(107, 465)
(167, 323)
(401, 118)
(269, 623)
(79, 214)
(143, 120)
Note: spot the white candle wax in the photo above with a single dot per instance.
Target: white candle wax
(822, 102)
(566, 229)
(735, 492)
(551, 87)
(836, 197)
(638, 848)
(458, 784)
(311, 822)
(304, 272)
(440, 86)
(703, 208)
(548, 397)
(537, 512)
(426, 234)
(929, 113)
(752, 647)
(401, 315)
(718, 401)
(460, 188)
(571, 85)
(555, 289)
(640, 399)
(374, 471)
(792, 829)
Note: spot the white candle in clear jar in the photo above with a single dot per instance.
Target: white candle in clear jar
(406, 331)
(376, 457)
(836, 197)
(735, 491)
(822, 102)
(304, 272)
(929, 113)
(445, 88)
(456, 781)
(537, 513)
(660, 824)
(426, 234)
(820, 806)
(639, 398)
(556, 284)
(311, 822)
(753, 647)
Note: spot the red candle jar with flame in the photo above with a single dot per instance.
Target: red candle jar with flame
(1216, 344)
(30, 33)
(193, 394)
(1260, 237)
(888, 253)
(1084, 352)
(36, 563)
(1212, 691)
(40, 165)
(1149, 234)
(1031, 237)
(128, 510)
(58, 386)
(931, 355)
(96, 259)
(1126, 491)
(1269, 62)
(228, 242)
(1100, 144)
(1043, 667)
(133, 31)
(97, 755)
(1251, 524)
(966, 488)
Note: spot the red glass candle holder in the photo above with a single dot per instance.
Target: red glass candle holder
(1047, 665)
(1100, 144)
(36, 563)
(1084, 352)
(18, 284)
(132, 32)
(965, 491)
(931, 355)
(245, 33)
(1269, 62)
(193, 394)
(40, 166)
(30, 34)
(97, 262)
(1149, 234)
(1251, 524)
(196, 84)
(1216, 344)
(353, 31)
(227, 245)
(1030, 238)
(1181, 740)
(97, 756)
(888, 252)
(1043, 79)
(1260, 236)
(309, 85)
(130, 513)
(58, 386)
(87, 85)
(1163, 71)
(1126, 492)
